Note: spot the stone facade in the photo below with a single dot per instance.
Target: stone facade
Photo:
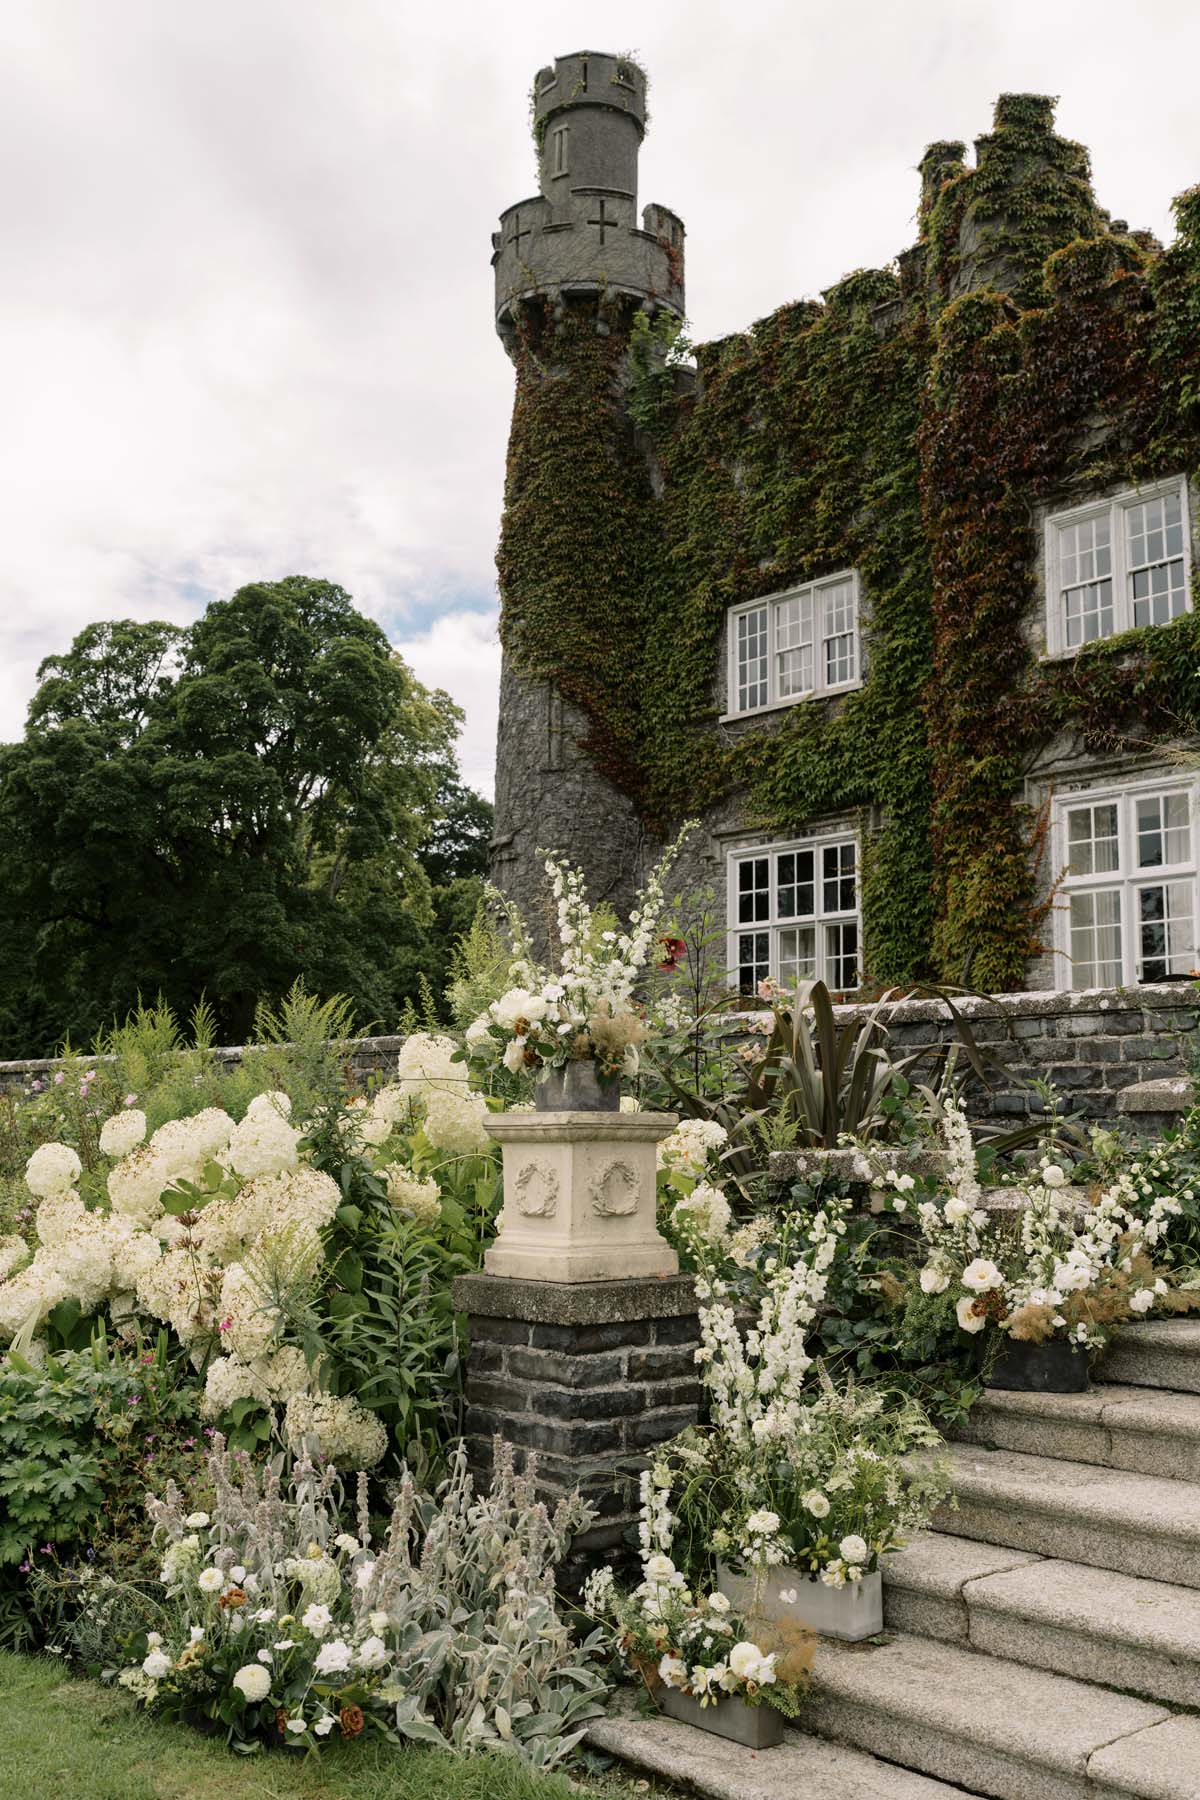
(556, 255)
(364, 1057)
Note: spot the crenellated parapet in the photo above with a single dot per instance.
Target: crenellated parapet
(580, 235)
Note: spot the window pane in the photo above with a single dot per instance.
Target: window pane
(1154, 540)
(1089, 613)
(752, 659)
(754, 960)
(1167, 939)
(794, 885)
(794, 646)
(839, 889)
(1163, 832)
(839, 634)
(841, 956)
(754, 893)
(797, 954)
(1093, 846)
(1096, 939)
(1085, 550)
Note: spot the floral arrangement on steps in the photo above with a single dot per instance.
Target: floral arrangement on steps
(1048, 1281)
(735, 1676)
(581, 1019)
(280, 1620)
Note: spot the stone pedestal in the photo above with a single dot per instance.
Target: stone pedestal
(579, 1197)
(590, 1375)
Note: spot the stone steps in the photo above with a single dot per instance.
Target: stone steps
(1109, 1518)
(1142, 1637)
(992, 1726)
(1162, 1353)
(1144, 1430)
(802, 1768)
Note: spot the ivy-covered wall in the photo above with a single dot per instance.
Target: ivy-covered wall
(915, 425)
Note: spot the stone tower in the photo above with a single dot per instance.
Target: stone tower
(573, 258)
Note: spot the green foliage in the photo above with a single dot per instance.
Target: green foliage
(211, 813)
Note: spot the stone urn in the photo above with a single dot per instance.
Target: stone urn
(579, 1195)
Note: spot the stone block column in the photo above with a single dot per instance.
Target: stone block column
(592, 1375)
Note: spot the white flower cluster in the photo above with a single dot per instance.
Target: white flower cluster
(689, 1147)
(341, 1430)
(123, 1132)
(454, 1115)
(418, 1199)
(704, 1215)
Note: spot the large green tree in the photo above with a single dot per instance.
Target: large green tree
(218, 810)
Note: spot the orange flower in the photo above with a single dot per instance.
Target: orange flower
(233, 1597)
(352, 1721)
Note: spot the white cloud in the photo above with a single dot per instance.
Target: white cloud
(461, 653)
(246, 312)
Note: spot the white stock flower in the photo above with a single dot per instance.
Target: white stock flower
(317, 1619)
(333, 1658)
(372, 1653)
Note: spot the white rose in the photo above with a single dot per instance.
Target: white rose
(372, 1653)
(816, 1504)
(933, 1280)
(516, 1006)
(853, 1549)
(253, 1682)
(514, 1055)
(333, 1658)
(719, 1603)
(981, 1275)
(156, 1665)
(956, 1211)
(967, 1317)
(673, 1672)
(744, 1659)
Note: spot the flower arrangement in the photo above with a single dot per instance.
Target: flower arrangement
(1049, 1267)
(583, 1011)
(278, 1622)
(700, 1646)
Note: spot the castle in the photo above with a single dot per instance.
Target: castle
(894, 590)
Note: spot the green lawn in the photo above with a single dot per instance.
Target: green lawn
(65, 1739)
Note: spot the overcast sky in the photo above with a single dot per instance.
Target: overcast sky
(245, 316)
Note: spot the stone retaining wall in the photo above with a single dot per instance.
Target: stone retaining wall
(1090, 1045)
(365, 1056)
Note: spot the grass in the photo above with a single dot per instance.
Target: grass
(67, 1739)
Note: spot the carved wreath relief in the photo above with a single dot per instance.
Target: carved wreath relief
(536, 1188)
(615, 1190)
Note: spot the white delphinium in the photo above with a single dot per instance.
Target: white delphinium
(122, 1132)
(704, 1213)
(688, 1148)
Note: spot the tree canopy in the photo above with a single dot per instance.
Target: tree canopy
(219, 809)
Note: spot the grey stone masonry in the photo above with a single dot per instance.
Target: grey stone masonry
(1090, 1045)
(364, 1057)
(580, 234)
(590, 1375)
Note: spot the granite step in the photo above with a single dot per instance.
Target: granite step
(1108, 1518)
(801, 1766)
(1142, 1637)
(1148, 1431)
(1162, 1353)
(994, 1727)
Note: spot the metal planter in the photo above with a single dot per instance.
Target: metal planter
(757, 1727)
(850, 1613)
(1056, 1367)
(576, 1087)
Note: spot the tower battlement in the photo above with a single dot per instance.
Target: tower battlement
(580, 235)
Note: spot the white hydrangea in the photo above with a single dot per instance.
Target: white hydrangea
(265, 1142)
(688, 1148)
(186, 1146)
(14, 1252)
(378, 1117)
(228, 1379)
(56, 1217)
(705, 1212)
(52, 1169)
(26, 1298)
(343, 1431)
(123, 1132)
(457, 1122)
(136, 1184)
(247, 1323)
(425, 1060)
(274, 1101)
(417, 1199)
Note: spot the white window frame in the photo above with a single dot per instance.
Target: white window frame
(1117, 508)
(813, 590)
(1127, 876)
(819, 920)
